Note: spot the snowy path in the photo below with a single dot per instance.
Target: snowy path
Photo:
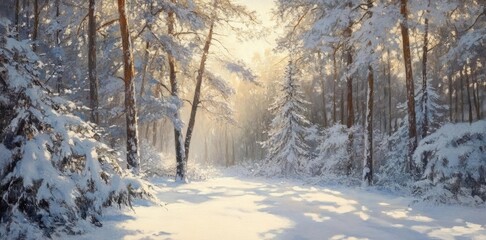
(230, 208)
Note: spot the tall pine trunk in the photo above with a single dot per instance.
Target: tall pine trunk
(145, 67)
(412, 123)
(456, 103)
(130, 100)
(93, 78)
(35, 31)
(389, 93)
(178, 139)
(17, 18)
(476, 95)
(368, 162)
(461, 88)
(468, 95)
(197, 91)
(349, 97)
(449, 80)
(323, 87)
(59, 67)
(425, 93)
(334, 79)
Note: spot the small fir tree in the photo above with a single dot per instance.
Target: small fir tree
(287, 151)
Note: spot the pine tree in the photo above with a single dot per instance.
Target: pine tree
(54, 173)
(92, 73)
(412, 124)
(133, 158)
(287, 149)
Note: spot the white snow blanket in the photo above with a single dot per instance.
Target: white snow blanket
(244, 208)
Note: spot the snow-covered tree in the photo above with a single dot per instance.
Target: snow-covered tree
(456, 167)
(54, 173)
(394, 146)
(332, 155)
(219, 15)
(286, 145)
(430, 111)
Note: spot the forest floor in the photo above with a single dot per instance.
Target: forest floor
(234, 207)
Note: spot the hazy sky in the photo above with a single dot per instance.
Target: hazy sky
(246, 50)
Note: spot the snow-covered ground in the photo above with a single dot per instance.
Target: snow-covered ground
(229, 207)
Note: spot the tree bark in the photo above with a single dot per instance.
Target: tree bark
(425, 93)
(17, 18)
(349, 97)
(335, 76)
(197, 91)
(93, 78)
(412, 123)
(461, 86)
(154, 133)
(342, 106)
(130, 100)
(145, 67)
(60, 68)
(36, 25)
(449, 79)
(349, 79)
(323, 85)
(389, 94)
(476, 95)
(368, 164)
(469, 103)
(456, 108)
(178, 138)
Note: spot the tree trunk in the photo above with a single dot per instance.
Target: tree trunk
(335, 76)
(154, 133)
(93, 78)
(349, 97)
(145, 66)
(60, 68)
(349, 84)
(197, 91)
(17, 17)
(461, 86)
(476, 95)
(130, 100)
(178, 138)
(147, 131)
(342, 106)
(389, 94)
(449, 79)
(226, 147)
(469, 103)
(412, 123)
(323, 85)
(349, 79)
(456, 108)
(368, 164)
(26, 8)
(36, 25)
(425, 93)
